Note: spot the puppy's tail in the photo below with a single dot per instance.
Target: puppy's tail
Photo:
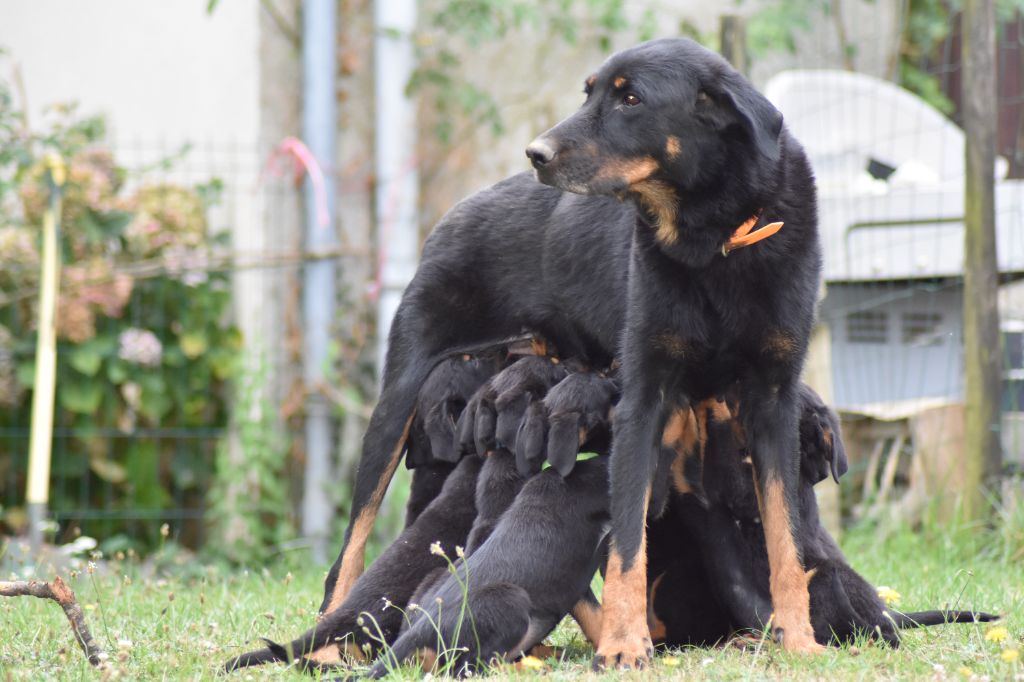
(924, 619)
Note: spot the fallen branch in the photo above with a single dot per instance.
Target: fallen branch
(59, 592)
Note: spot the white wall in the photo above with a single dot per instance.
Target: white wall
(161, 71)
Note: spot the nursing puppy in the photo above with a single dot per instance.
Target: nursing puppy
(511, 592)
(441, 509)
(709, 563)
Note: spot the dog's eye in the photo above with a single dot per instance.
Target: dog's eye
(631, 100)
(702, 97)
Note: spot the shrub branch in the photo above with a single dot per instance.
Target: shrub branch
(59, 592)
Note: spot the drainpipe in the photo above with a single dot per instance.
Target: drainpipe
(319, 118)
(397, 186)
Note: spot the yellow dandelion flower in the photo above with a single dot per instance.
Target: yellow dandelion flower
(670, 661)
(996, 634)
(531, 663)
(964, 671)
(890, 596)
(1010, 655)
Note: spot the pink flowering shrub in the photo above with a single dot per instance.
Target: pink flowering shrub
(144, 337)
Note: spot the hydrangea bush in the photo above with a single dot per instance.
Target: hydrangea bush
(145, 340)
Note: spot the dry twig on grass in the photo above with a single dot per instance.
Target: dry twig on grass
(59, 592)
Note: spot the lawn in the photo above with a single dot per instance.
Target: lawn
(183, 621)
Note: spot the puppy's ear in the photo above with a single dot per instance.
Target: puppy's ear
(511, 410)
(531, 440)
(483, 431)
(833, 435)
(759, 117)
(821, 444)
(465, 428)
(439, 427)
(564, 442)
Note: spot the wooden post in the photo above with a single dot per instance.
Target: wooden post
(732, 40)
(37, 494)
(982, 357)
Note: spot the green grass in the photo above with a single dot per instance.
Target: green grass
(184, 625)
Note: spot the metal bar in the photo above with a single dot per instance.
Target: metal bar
(319, 119)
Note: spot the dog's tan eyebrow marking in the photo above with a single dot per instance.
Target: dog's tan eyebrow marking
(620, 82)
(589, 83)
(672, 147)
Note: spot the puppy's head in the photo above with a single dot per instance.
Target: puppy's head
(664, 116)
(821, 443)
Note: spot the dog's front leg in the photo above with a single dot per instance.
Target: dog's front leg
(625, 637)
(768, 411)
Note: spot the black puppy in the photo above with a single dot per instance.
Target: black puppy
(478, 493)
(505, 597)
(447, 507)
(703, 152)
(708, 559)
(372, 615)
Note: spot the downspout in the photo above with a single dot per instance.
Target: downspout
(397, 187)
(319, 118)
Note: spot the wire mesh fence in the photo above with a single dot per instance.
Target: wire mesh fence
(875, 100)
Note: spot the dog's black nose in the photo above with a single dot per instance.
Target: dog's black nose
(540, 153)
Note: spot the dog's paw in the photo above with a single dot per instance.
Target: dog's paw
(797, 641)
(623, 653)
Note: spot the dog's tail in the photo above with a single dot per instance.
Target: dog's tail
(924, 619)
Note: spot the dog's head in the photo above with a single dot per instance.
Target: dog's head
(664, 117)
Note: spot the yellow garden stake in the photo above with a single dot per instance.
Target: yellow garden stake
(41, 438)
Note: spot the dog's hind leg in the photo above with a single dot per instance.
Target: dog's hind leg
(383, 446)
(587, 614)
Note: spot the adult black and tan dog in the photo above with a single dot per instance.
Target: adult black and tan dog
(670, 126)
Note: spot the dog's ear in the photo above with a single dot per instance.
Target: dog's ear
(834, 437)
(821, 443)
(564, 442)
(439, 427)
(531, 440)
(759, 117)
(511, 409)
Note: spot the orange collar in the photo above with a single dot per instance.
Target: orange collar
(744, 237)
